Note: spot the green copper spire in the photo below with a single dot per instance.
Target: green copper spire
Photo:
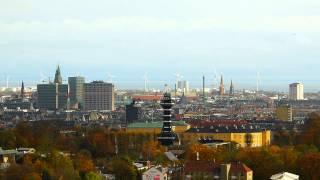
(57, 77)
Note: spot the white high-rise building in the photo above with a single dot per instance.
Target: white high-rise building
(183, 86)
(296, 91)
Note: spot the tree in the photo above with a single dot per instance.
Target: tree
(83, 162)
(151, 149)
(309, 166)
(92, 176)
(123, 169)
(311, 133)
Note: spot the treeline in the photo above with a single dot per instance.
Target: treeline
(77, 153)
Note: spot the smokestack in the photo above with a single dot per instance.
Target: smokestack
(203, 86)
(175, 91)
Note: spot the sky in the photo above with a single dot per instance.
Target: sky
(128, 39)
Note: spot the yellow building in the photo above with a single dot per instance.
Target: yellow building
(244, 136)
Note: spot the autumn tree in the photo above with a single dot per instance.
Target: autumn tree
(309, 166)
(311, 132)
(152, 149)
(83, 162)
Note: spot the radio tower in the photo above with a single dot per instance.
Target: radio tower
(167, 137)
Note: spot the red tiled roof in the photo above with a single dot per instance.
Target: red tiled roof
(200, 166)
(210, 167)
(238, 167)
(216, 122)
(147, 97)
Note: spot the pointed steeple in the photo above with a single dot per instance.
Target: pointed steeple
(221, 88)
(231, 92)
(22, 90)
(57, 77)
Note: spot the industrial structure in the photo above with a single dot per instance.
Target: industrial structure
(167, 136)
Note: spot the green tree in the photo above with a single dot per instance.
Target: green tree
(92, 176)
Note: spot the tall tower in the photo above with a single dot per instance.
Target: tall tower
(231, 92)
(221, 88)
(203, 88)
(57, 77)
(22, 90)
(167, 137)
(296, 91)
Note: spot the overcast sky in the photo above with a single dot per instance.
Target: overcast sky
(127, 38)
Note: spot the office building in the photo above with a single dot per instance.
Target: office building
(99, 96)
(76, 88)
(183, 86)
(53, 96)
(284, 113)
(296, 91)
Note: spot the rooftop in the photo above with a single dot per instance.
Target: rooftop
(245, 128)
(202, 166)
(157, 124)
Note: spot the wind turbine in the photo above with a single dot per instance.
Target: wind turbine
(43, 78)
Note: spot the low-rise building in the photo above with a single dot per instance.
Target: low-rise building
(284, 176)
(210, 170)
(7, 157)
(155, 174)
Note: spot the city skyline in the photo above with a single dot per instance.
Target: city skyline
(154, 81)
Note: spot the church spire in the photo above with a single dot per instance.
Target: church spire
(231, 92)
(57, 77)
(221, 88)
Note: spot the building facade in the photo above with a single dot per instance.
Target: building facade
(244, 136)
(155, 174)
(76, 88)
(284, 113)
(52, 96)
(99, 96)
(296, 91)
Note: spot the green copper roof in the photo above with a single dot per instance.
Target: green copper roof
(157, 124)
